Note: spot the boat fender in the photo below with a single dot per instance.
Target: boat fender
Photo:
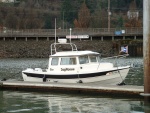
(1, 83)
(44, 78)
(80, 81)
(122, 83)
(4, 79)
(55, 81)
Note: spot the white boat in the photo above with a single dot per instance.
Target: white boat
(75, 67)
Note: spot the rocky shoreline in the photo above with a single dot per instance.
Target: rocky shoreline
(41, 48)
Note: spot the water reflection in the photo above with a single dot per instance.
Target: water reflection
(31, 102)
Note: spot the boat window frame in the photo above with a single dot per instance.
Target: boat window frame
(96, 57)
(99, 58)
(75, 63)
(87, 59)
(52, 60)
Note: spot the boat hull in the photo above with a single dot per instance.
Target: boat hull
(120, 74)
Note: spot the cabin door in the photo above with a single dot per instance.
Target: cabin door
(68, 65)
(87, 64)
(83, 64)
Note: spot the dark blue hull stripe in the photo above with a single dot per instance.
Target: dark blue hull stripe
(71, 76)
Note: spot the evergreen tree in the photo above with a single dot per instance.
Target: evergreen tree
(47, 24)
(120, 22)
(67, 11)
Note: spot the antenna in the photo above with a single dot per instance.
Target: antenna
(55, 30)
(70, 34)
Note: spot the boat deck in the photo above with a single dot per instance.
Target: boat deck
(106, 87)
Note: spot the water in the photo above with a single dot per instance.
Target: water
(36, 102)
(11, 68)
(33, 102)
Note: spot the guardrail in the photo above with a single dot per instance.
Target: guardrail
(74, 31)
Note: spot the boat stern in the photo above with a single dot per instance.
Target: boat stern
(26, 74)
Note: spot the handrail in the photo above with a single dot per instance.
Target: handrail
(116, 57)
(54, 49)
(125, 55)
(75, 31)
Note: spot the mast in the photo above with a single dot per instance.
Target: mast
(55, 30)
(109, 13)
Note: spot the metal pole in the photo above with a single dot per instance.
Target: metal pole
(109, 13)
(146, 48)
(70, 35)
(55, 30)
(63, 20)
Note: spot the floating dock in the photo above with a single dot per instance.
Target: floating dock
(105, 87)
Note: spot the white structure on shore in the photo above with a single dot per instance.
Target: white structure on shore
(7, 1)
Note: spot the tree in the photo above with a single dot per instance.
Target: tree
(99, 16)
(139, 4)
(96, 19)
(47, 24)
(1, 20)
(41, 13)
(83, 17)
(134, 22)
(133, 16)
(120, 22)
(92, 5)
(21, 18)
(11, 21)
(33, 21)
(67, 11)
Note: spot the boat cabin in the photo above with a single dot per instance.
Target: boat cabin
(72, 61)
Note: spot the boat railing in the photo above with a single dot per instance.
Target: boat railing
(118, 56)
(115, 59)
(54, 49)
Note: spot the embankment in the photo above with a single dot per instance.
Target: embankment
(41, 48)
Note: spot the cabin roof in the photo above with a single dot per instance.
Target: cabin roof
(74, 53)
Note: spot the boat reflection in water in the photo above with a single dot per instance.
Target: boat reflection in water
(61, 103)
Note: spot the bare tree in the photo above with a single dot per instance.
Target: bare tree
(133, 23)
(32, 21)
(11, 20)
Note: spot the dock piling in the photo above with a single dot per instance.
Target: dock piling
(1, 84)
(146, 48)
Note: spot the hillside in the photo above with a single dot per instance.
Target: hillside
(40, 14)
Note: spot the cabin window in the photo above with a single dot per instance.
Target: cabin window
(93, 59)
(68, 61)
(83, 59)
(54, 61)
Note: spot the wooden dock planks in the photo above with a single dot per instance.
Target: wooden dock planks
(99, 88)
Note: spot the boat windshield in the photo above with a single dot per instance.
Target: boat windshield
(68, 61)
